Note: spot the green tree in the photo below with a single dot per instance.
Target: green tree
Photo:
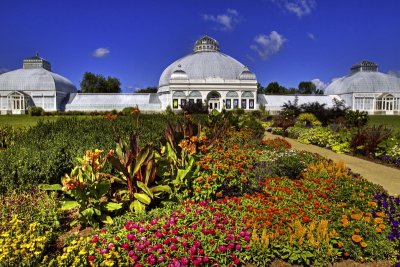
(97, 83)
(149, 89)
(307, 88)
(260, 89)
(275, 88)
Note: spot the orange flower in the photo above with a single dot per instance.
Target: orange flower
(380, 214)
(356, 238)
(382, 226)
(340, 244)
(357, 230)
(367, 219)
(378, 220)
(378, 230)
(356, 216)
(363, 244)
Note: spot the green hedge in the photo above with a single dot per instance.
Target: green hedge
(47, 151)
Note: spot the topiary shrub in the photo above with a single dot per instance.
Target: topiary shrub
(308, 120)
(35, 111)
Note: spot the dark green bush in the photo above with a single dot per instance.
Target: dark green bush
(356, 118)
(366, 140)
(35, 111)
(289, 165)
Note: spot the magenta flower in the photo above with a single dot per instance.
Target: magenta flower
(91, 258)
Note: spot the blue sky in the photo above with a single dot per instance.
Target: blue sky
(287, 41)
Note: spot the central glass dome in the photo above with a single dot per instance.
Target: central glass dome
(206, 61)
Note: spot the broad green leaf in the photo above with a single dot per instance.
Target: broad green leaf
(50, 187)
(103, 188)
(111, 206)
(88, 213)
(97, 211)
(144, 188)
(69, 204)
(161, 188)
(142, 157)
(108, 220)
(137, 207)
(145, 199)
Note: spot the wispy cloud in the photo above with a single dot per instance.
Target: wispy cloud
(2, 70)
(267, 45)
(298, 7)
(319, 85)
(101, 52)
(310, 35)
(226, 21)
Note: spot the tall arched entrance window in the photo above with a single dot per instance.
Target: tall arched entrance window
(386, 102)
(214, 101)
(17, 102)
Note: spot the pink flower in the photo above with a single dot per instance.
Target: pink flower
(125, 246)
(131, 237)
(222, 248)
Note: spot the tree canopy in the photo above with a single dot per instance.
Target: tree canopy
(149, 89)
(309, 88)
(97, 83)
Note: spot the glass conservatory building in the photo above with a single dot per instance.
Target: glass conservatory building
(205, 76)
(368, 90)
(33, 85)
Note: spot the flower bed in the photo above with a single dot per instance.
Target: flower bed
(246, 201)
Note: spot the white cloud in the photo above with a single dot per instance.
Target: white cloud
(320, 85)
(311, 36)
(2, 70)
(267, 45)
(395, 73)
(101, 52)
(298, 7)
(226, 21)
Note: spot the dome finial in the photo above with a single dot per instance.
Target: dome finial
(37, 53)
(206, 44)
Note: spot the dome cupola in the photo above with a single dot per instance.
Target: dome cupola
(247, 75)
(206, 44)
(364, 66)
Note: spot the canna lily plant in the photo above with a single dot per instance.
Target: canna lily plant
(138, 169)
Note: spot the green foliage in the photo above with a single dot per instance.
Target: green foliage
(147, 90)
(367, 140)
(89, 189)
(308, 120)
(289, 165)
(177, 157)
(9, 135)
(35, 111)
(356, 118)
(97, 83)
(48, 150)
(138, 170)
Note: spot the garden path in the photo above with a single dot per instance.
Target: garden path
(385, 176)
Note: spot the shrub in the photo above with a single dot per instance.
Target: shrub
(308, 120)
(9, 135)
(284, 121)
(289, 166)
(366, 140)
(318, 110)
(35, 111)
(356, 118)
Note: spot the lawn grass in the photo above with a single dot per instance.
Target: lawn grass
(392, 122)
(23, 120)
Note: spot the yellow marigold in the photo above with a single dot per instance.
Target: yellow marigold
(356, 238)
(382, 226)
(363, 244)
(356, 216)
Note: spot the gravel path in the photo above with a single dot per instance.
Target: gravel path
(385, 176)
